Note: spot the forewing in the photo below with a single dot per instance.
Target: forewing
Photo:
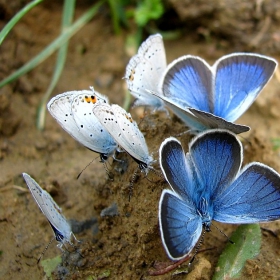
(187, 81)
(60, 107)
(211, 121)
(253, 197)
(184, 114)
(124, 130)
(217, 157)
(89, 126)
(176, 169)
(239, 79)
(49, 208)
(144, 71)
(180, 225)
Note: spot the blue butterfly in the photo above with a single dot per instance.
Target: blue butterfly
(214, 97)
(207, 185)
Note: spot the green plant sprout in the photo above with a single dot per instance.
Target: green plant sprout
(247, 244)
(148, 10)
(118, 14)
(275, 143)
(50, 265)
(103, 275)
(56, 44)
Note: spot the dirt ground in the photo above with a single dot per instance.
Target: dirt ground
(128, 245)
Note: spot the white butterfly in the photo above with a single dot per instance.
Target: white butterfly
(144, 71)
(73, 111)
(125, 131)
(51, 210)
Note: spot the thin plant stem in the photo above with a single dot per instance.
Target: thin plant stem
(57, 43)
(67, 18)
(9, 26)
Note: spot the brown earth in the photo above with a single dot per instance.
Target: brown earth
(127, 245)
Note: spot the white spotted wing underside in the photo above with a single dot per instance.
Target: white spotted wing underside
(73, 111)
(144, 71)
(124, 130)
(50, 209)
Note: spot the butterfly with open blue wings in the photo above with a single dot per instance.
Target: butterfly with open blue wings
(207, 184)
(207, 97)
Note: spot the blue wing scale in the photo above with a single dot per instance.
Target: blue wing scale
(253, 197)
(180, 225)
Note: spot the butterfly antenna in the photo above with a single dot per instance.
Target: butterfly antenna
(198, 246)
(75, 237)
(158, 173)
(107, 170)
(146, 177)
(46, 248)
(185, 132)
(85, 168)
(224, 234)
(131, 183)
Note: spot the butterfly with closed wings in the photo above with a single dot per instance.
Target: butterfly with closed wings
(73, 111)
(125, 131)
(52, 212)
(144, 72)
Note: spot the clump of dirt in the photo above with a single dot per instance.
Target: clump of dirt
(248, 25)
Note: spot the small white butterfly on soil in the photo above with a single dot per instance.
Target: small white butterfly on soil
(73, 111)
(52, 211)
(125, 131)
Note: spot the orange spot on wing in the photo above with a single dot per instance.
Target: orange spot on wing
(129, 118)
(131, 76)
(91, 99)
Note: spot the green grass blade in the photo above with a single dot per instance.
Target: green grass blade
(68, 13)
(67, 18)
(115, 15)
(51, 48)
(9, 26)
(247, 239)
